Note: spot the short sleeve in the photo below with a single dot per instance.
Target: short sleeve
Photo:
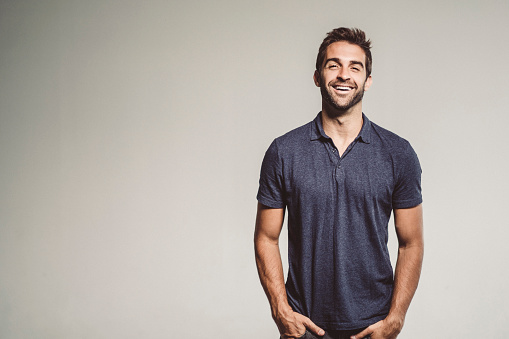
(407, 192)
(270, 191)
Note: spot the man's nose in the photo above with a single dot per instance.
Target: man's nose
(343, 74)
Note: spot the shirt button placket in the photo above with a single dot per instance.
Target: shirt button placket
(340, 175)
(339, 169)
(337, 162)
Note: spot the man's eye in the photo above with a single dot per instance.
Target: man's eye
(333, 66)
(356, 69)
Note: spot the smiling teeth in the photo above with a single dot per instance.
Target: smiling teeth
(342, 88)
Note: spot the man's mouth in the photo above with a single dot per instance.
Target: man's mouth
(343, 88)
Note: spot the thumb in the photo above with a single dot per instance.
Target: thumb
(367, 331)
(313, 327)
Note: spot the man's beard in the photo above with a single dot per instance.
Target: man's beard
(329, 98)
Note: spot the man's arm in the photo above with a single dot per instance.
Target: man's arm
(269, 222)
(409, 227)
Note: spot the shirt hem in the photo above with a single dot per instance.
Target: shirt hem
(407, 203)
(335, 326)
(270, 203)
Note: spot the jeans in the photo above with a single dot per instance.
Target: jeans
(332, 335)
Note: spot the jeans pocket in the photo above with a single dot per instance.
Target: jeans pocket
(306, 335)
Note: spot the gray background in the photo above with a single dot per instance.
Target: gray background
(131, 137)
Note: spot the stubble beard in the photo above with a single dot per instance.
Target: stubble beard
(341, 107)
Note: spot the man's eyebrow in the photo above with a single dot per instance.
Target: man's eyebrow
(336, 60)
(353, 62)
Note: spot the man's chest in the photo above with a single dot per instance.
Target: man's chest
(364, 175)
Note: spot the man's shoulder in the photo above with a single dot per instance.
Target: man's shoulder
(296, 137)
(389, 139)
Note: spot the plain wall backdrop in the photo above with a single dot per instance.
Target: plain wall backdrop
(131, 139)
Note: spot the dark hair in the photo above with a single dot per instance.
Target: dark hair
(352, 35)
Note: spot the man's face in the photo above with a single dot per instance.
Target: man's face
(342, 79)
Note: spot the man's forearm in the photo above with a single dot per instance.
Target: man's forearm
(270, 271)
(406, 279)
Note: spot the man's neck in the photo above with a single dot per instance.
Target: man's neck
(345, 125)
(342, 128)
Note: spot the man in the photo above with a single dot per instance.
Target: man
(340, 177)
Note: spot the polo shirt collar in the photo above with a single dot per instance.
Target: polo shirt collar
(365, 133)
(317, 128)
(317, 131)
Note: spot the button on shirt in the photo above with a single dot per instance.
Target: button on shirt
(340, 273)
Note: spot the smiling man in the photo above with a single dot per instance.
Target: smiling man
(340, 177)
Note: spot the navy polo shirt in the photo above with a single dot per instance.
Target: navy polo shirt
(340, 273)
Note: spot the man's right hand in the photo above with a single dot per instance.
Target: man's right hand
(293, 325)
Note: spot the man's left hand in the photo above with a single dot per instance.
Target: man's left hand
(384, 329)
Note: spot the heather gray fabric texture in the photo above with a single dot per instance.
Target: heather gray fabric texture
(340, 273)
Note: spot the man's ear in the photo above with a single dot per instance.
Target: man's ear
(317, 79)
(368, 83)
